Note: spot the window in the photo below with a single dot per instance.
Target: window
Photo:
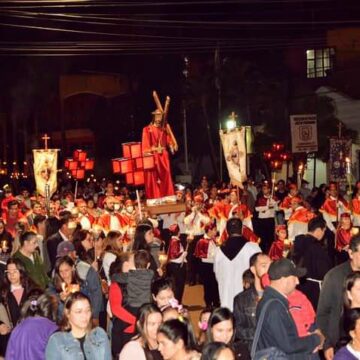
(319, 61)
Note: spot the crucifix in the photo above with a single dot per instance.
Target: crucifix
(233, 116)
(46, 138)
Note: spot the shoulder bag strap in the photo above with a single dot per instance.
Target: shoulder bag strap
(259, 325)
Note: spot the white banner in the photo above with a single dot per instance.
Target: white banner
(45, 170)
(233, 143)
(304, 133)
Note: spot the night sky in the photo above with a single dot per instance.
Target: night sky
(147, 41)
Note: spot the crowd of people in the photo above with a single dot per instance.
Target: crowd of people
(100, 277)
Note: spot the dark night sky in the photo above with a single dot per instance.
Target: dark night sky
(147, 41)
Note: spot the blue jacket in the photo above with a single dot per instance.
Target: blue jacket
(63, 346)
(279, 329)
(92, 284)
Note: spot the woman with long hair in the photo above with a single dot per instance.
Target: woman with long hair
(113, 246)
(65, 281)
(144, 346)
(84, 245)
(143, 238)
(177, 341)
(352, 290)
(29, 338)
(123, 320)
(15, 289)
(76, 339)
(221, 329)
(351, 351)
(217, 351)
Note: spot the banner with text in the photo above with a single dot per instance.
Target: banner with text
(304, 133)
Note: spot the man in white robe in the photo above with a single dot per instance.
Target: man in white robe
(231, 260)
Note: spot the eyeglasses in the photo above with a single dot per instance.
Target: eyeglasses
(11, 272)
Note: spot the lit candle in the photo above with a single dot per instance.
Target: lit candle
(163, 259)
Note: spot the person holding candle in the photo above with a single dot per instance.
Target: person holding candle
(280, 245)
(65, 281)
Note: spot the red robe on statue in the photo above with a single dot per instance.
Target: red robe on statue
(158, 182)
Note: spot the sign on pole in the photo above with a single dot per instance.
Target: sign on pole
(304, 133)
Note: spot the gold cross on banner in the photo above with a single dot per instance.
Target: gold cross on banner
(46, 138)
(233, 116)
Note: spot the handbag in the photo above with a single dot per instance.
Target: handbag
(270, 353)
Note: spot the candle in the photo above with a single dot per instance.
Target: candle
(163, 259)
(348, 165)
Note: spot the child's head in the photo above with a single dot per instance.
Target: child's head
(281, 232)
(142, 259)
(248, 279)
(174, 229)
(123, 263)
(204, 319)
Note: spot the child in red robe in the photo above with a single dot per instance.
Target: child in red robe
(279, 246)
(343, 237)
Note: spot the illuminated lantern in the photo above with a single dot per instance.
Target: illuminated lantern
(149, 162)
(132, 150)
(67, 163)
(73, 164)
(80, 174)
(129, 178)
(139, 178)
(116, 166)
(139, 163)
(80, 155)
(126, 166)
(89, 164)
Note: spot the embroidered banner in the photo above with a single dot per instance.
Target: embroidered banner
(45, 171)
(233, 143)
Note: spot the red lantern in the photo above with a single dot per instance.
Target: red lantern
(67, 163)
(139, 163)
(89, 164)
(132, 150)
(129, 178)
(73, 164)
(126, 166)
(80, 174)
(116, 166)
(149, 162)
(80, 155)
(139, 178)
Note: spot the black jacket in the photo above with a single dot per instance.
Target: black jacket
(279, 329)
(331, 303)
(52, 243)
(245, 316)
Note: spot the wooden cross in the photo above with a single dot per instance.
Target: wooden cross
(46, 138)
(233, 116)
